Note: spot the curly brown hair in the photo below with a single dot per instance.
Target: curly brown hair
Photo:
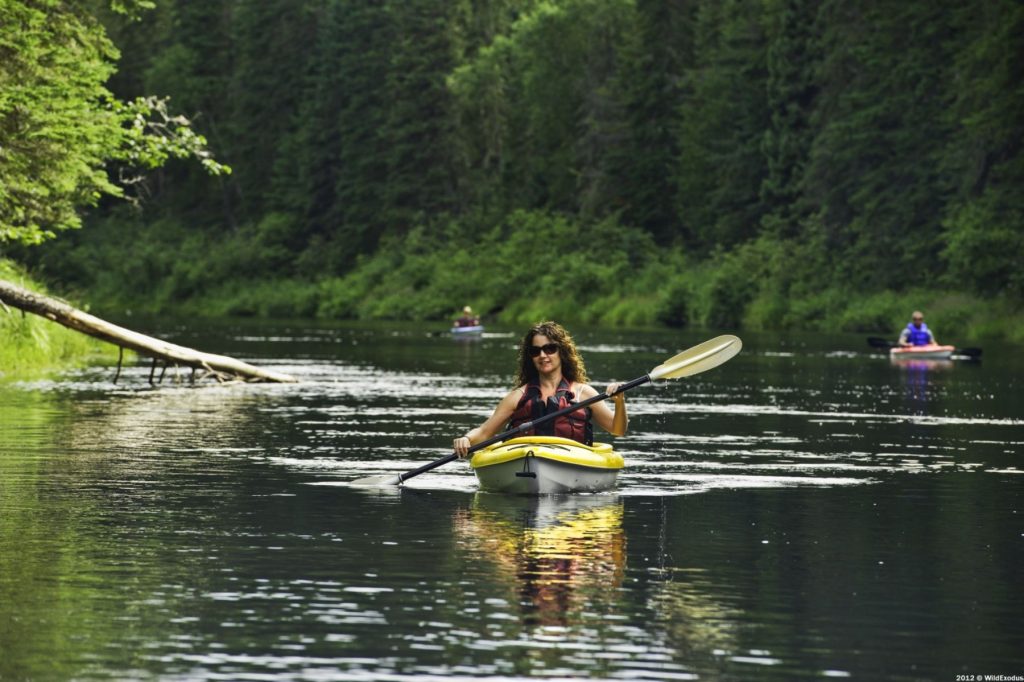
(572, 364)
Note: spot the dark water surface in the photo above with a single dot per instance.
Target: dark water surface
(806, 511)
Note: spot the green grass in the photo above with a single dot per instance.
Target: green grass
(31, 345)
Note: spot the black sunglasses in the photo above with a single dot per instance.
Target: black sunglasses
(547, 348)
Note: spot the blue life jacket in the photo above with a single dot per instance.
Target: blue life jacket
(918, 337)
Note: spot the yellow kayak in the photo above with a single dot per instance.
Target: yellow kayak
(544, 465)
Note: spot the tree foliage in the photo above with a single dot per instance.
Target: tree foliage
(788, 149)
(60, 128)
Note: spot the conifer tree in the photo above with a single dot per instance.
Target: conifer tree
(984, 223)
(418, 132)
(874, 177)
(722, 122)
(187, 55)
(270, 58)
(306, 168)
(659, 53)
(791, 87)
(363, 35)
(61, 128)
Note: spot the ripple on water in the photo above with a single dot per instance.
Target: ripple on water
(211, 531)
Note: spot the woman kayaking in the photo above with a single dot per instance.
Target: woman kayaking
(551, 376)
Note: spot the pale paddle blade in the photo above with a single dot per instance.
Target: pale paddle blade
(377, 481)
(700, 358)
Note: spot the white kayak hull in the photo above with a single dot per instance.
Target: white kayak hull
(544, 465)
(537, 476)
(929, 352)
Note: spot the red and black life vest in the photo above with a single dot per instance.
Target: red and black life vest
(575, 425)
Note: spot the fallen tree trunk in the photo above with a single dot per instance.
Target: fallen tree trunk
(220, 366)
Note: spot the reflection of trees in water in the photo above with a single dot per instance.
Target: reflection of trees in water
(48, 544)
(168, 418)
(696, 625)
(561, 555)
(26, 421)
(68, 463)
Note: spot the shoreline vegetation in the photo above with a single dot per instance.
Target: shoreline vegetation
(423, 279)
(31, 345)
(615, 276)
(736, 166)
(220, 368)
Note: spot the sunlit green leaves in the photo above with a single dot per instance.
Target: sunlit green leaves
(151, 136)
(60, 126)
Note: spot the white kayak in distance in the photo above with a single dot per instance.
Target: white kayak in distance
(930, 351)
(468, 331)
(546, 465)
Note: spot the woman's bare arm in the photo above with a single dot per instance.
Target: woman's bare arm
(502, 413)
(614, 421)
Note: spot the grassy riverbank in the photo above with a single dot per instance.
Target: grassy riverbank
(30, 344)
(531, 265)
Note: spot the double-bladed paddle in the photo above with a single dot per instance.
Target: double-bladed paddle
(877, 342)
(700, 358)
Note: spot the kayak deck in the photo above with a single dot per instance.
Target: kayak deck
(545, 465)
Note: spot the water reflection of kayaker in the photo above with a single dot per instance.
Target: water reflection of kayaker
(467, 319)
(551, 376)
(916, 332)
(562, 555)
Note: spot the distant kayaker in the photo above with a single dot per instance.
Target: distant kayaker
(551, 376)
(468, 319)
(917, 332)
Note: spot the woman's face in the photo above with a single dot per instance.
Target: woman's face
(548, 360)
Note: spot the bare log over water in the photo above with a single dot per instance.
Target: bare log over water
(220, 366)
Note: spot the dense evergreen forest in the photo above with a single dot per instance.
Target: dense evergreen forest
(819, 164)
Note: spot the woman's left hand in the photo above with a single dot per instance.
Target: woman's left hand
(461, 446)
(612, 390)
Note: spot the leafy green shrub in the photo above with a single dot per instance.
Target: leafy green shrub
(530, 265)
(984, 244)
(674, 295)
(768, 310)
(882, 312)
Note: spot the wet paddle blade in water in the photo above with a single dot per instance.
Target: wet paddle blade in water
(377, 481)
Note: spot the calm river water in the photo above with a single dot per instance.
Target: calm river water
(807, 510)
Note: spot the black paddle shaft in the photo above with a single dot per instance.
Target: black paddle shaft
(876, 342)
(525, 426)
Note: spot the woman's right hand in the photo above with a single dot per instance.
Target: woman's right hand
(461, 446)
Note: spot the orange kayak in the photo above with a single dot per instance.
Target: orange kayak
(930, 351)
